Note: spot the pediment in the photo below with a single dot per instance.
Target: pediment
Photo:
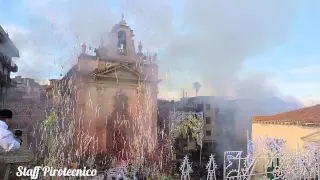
(120, 72)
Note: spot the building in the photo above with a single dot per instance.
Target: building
(200, 104)
(7, 51)
(296, 128)
(28, 88)
(164, 109)
(51, 90)
(220, 124)
(115, 94)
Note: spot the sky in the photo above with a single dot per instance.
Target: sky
(248, 49)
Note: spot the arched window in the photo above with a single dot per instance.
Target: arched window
(122, 40)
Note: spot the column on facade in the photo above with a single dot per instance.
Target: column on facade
(101, 118)
(80, 117)
(89, 122)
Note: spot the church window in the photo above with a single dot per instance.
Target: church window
(122, 42)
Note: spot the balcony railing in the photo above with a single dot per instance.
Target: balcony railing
(14, 67)
(19, 157)
(7, 62)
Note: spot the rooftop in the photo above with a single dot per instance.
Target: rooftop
(10, 50)
(208, 98)
(305, 115)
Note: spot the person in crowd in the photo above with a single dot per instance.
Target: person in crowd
(7, 139)
(178, 168)
(140, 174)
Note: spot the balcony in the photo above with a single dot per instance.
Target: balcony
(8, 63)
(14, 67)
(191, 107)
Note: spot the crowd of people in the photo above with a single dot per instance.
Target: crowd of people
(123, 173)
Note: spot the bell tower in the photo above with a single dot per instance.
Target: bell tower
(121, 41)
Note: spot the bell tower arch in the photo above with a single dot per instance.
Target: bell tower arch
(121, 37)
(122, 40)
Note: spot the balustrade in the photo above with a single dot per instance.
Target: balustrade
(14, 158)
(7, 62)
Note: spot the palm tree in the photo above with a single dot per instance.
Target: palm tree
(197, 86)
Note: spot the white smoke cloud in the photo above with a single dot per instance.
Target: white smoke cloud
(203, 41)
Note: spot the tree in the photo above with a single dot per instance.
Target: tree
(197, 86)
(188, 130)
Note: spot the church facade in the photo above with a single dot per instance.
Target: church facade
(115, 95)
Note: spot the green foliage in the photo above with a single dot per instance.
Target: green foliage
(165, 178)
(55, 140)
(71, 126)
(50, 120)
(191, 128)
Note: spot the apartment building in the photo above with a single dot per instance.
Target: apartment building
(219, 123)
(28, 87)
(7, 51)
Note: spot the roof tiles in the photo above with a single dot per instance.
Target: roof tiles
(306, 115)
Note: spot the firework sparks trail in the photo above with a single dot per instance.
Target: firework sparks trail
(55, 144)
(116, 74)
(61, 131)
